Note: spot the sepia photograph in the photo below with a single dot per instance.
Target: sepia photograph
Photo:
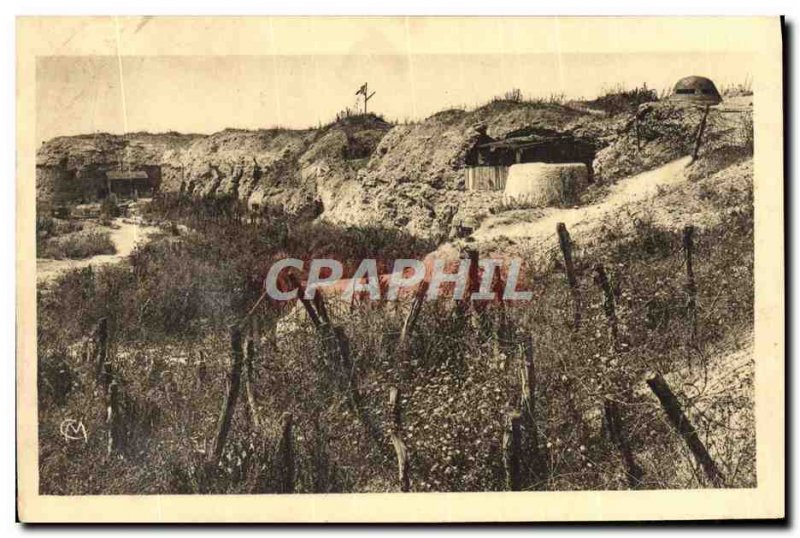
(367, 256)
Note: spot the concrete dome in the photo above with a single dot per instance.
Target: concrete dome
(694, 89)
(546, 184)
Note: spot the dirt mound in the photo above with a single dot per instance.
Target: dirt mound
(276, 166)
(434, 150)
(661, 132)
(415, 177)
(346, 172)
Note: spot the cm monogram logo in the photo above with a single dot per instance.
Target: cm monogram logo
(73, 430)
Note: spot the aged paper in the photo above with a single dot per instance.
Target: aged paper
(232, 237)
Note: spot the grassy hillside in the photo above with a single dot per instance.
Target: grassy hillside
(169, 313)
(158, 337)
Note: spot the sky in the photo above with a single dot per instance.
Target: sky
(204, 94)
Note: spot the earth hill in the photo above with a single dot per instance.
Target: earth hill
(361, 167)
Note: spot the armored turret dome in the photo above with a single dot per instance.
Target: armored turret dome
(699, 90)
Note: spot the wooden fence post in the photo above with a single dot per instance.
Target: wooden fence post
(616, 431)
(565, 243)
(511, 451)
(496, 313)
(110, 386)
(102, 366)
(113, 418)
(608, 304)
(699, 137)
(285, 459)
(681, 423)
(528, 402)
(473, 281)
(528, 378)
(395, 433)
(249, 379)
(691, 286)
(229, 405)
(409, 324)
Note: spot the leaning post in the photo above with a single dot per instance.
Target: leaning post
(681, 423)
(565, 242)
(228, 406)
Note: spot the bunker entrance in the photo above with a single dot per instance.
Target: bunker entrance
(489, 160)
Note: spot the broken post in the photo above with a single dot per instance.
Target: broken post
(699, 137)
(601, 279)
(413, 314)
(616, 432)
(234, 382)
(410, 322)
(691, 286)
(681, 423)
(285, 456)
(395, 433)
(511, 451)
(565, 243)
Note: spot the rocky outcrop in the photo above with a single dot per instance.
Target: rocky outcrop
(349, 172)
(415, 177)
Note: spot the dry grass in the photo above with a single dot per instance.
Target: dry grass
(738, 89)
(169, 318)
(621, 100)
(515, 95)
(76, 245)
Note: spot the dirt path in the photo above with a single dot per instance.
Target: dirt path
(125, 236)
(583, 220)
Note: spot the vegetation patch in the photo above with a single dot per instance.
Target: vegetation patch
(459, 378)
(76, 245)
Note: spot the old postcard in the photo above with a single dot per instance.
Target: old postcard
(399, 269)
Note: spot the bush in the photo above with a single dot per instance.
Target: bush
(47, 226)
(623, 101)
(109, 209)
(77, 245)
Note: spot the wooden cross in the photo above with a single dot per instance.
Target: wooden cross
(367, 96)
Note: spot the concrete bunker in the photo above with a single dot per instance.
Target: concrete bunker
(696, 90)
(129, 184)
(489, 162)
(546, 184)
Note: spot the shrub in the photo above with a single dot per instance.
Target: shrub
(624, 101)
(739, 89)
(109, 209)
(77, 245)
(45, 226)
